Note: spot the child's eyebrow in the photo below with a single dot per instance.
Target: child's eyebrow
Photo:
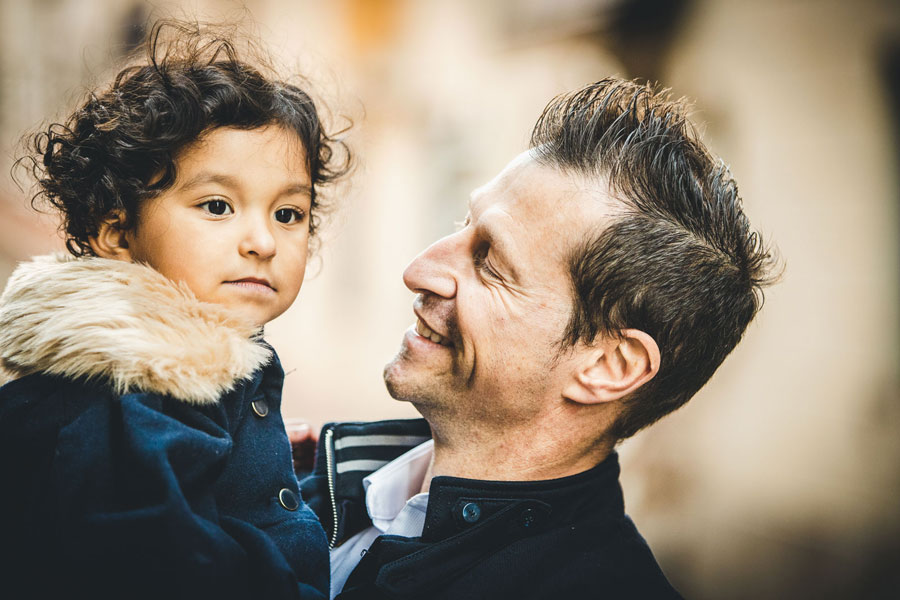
(204, 177)
(297, 188)
(232, 182)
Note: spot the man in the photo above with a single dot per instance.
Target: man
(597, 283)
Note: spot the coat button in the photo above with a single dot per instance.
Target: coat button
(260, 408)
(288, 499)
(471, 512)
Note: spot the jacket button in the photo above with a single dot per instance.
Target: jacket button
(260, 408)
(288, 499)
(529, 516)
(471, 512)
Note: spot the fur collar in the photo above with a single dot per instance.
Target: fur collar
(124, 323)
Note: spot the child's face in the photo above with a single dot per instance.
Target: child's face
(235, 225)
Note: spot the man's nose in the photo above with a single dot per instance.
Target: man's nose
(436, 269)
(257, 238)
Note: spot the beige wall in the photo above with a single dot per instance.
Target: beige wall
(780, 478)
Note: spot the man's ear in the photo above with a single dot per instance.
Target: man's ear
(111, 240)
(613, 368)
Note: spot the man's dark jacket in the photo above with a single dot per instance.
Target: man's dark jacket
(562, 538)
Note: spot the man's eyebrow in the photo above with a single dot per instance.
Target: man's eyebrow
(472, 197)
(493, 236)
(232, 182)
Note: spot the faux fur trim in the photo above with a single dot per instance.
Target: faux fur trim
(124, 323)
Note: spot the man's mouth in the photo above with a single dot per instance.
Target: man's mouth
(423, 330)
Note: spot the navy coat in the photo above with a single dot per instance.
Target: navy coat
(142, 450)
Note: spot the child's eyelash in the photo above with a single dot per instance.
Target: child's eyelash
(220, 203)
(298, 214)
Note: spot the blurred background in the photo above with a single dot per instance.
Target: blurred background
(780, 479)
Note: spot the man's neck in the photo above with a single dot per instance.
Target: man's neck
(511, 456)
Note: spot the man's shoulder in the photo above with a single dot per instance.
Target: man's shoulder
(592, 552)
(616, 555)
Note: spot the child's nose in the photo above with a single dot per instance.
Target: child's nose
(257, 240)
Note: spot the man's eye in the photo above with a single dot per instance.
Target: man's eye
(481, 264)
(289, 215)
(217, 207)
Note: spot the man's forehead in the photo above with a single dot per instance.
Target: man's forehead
(535, 188)
(513, 169)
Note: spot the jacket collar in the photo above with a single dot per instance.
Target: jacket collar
(455, 505)
(345, 454)
(462, 513)
(467, 520)
(358, 449)
(123, 323)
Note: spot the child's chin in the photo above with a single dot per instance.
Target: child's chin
(252, 316)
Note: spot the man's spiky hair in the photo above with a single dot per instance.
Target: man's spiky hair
(681, 262)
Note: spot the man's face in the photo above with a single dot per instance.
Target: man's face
(494, 299)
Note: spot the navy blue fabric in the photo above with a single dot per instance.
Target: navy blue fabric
(145, 496)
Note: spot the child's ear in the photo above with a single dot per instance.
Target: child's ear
(111, 240)
(613, 368)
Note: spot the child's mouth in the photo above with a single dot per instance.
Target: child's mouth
(254, 284)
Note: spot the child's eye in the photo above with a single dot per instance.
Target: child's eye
(288, 215)
(217, 207)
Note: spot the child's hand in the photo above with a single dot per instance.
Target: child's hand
(303, 445)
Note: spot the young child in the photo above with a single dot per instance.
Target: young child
(142, 449)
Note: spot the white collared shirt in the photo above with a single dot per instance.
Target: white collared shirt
(393, 504)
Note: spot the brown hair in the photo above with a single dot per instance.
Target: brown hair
(119, 147)
(681, 263)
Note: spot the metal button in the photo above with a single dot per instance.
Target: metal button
(288, 499)
(528, 517)
(260, 408)
(471, 512)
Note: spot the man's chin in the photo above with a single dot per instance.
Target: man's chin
(394, 380)
(406, 385)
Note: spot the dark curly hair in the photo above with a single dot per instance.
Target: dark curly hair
(681, 263)
(119, 148)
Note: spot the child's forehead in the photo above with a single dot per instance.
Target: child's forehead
(232, 148)
(213, 138)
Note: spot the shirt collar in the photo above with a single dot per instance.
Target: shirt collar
(389, 488)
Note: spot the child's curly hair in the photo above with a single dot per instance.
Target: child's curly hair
(119, 147)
